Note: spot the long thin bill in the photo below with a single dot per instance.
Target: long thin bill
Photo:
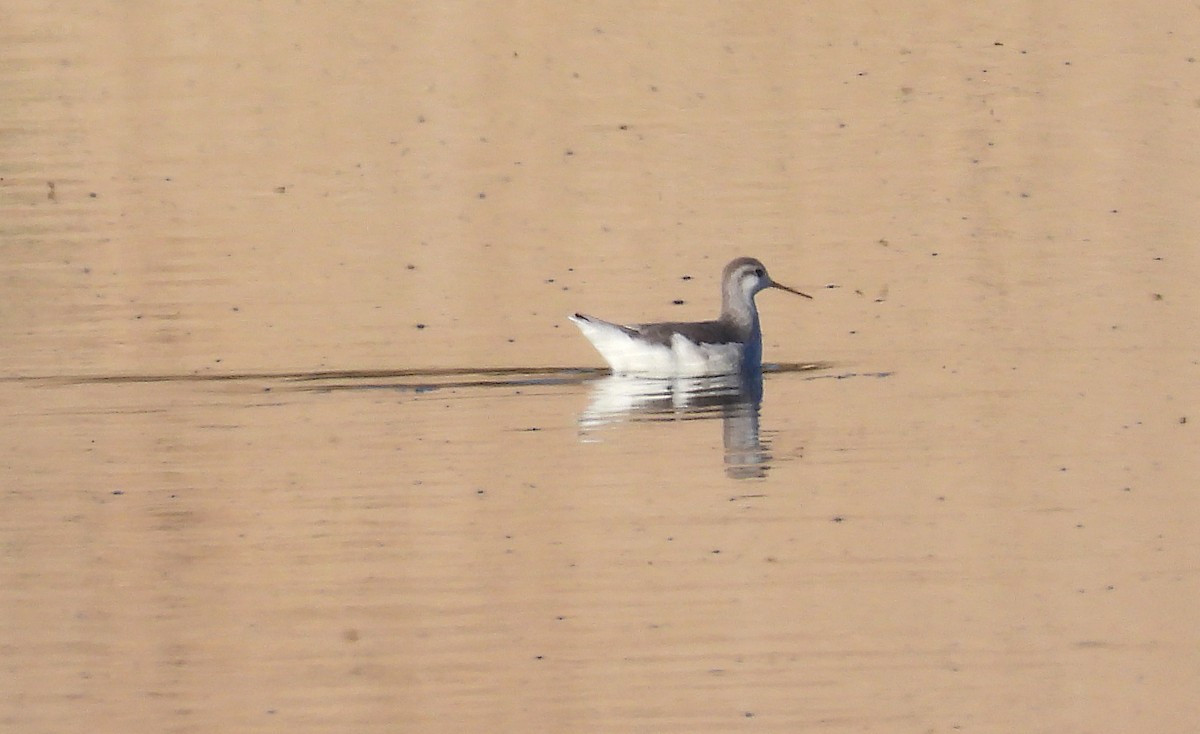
(783, 287)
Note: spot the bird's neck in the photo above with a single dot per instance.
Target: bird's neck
(738, 309)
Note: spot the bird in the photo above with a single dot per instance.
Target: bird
(730, 344)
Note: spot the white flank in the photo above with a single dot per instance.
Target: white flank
(628, 355)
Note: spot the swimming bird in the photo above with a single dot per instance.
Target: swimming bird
(731, 344)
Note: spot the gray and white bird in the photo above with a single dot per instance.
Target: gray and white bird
(730, 344)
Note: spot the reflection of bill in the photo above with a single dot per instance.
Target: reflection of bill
(735, 399)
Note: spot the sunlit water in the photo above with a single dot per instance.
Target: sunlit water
(289, 446)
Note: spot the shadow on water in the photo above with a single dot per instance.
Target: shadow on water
(614, 399)
(331, 380)
(414, 379)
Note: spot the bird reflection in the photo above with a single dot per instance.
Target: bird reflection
(735, 399)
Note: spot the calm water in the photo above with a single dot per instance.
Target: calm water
(299, 438)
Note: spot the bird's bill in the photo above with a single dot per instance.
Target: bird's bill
(783, 287)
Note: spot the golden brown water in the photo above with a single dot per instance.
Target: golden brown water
(261, 262)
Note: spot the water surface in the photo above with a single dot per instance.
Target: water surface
(299, 438)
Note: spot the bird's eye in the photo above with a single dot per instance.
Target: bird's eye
(759, 272)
